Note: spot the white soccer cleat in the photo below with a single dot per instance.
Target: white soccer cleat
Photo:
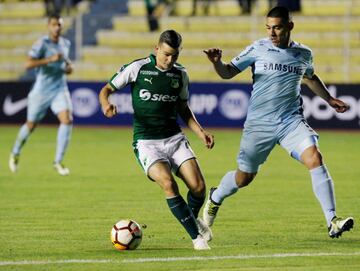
(13, 162)
(204, 229)
(200, 243)
(339, 225)
(210, 209)
(61, 169)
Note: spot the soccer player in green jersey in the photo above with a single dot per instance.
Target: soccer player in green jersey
(159, 90)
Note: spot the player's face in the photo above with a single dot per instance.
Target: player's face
(278, 32)
(166, 56)
(55, 27)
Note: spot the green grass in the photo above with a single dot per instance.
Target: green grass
(46, 217)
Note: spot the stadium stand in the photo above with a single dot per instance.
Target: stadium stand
(21, 23)
(120, 34)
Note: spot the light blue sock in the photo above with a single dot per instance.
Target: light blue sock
(21, 138)
(226, 188)
(323, 188)
(63, 138)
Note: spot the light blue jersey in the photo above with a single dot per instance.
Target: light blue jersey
(50, 77)
(275, 109)
(50, 87)
(277, 75)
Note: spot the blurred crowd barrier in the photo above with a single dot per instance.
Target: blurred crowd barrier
(215, 105)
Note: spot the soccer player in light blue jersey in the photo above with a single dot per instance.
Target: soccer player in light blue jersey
(279, 65)
(50, 56)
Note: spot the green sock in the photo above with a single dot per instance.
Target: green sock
(183, 213)
(195, 203)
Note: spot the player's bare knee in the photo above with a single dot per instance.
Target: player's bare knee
(244, 182)
(66, 122)
(31, 125)
(199, 190)
(169, 186)
(313, 161)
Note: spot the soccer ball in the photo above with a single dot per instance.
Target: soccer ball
(126, 234)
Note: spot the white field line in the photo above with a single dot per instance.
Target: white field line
(177, 259)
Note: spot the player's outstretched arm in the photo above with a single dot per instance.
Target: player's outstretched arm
(189, 118)
(33, 62)
(318, 87)
(108, 109)
(224, 70)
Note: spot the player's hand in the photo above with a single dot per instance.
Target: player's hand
(209, 140)
(213, 54)
(69, 68)
(338, 105)
(110, 110)
(55, 57)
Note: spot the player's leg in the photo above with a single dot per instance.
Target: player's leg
(190, 173)
(62, 141)
(160, 172)
(36, 110)
(254, 149)
(323, 187)
(153, 157)
(185, 166)
(25, 130)
(302, 144)
(62, 107)
(230, 183)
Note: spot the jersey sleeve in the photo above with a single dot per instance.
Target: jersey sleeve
(184, 93)
(37, 49)
(126, 75)
(245, 59)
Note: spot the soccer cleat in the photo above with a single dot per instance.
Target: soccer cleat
(339, 225)
(200, 243)
(61, 169)
(13, 162)
(210, 209)
(204, 229)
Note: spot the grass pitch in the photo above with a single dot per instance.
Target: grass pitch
(50, 222)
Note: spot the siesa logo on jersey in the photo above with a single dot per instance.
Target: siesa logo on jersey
(145, 95)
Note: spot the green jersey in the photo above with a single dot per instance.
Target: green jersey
(155, 94)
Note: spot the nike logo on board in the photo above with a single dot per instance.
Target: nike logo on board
(11, 108)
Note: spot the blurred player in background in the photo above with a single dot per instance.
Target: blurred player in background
(50, 56)
(275, 115)
(159, 89)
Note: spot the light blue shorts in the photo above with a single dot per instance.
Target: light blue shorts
(38, 104)
(260, 137)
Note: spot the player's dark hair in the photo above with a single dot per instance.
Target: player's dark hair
(171, 38)
(280, 12)
(54, 16)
